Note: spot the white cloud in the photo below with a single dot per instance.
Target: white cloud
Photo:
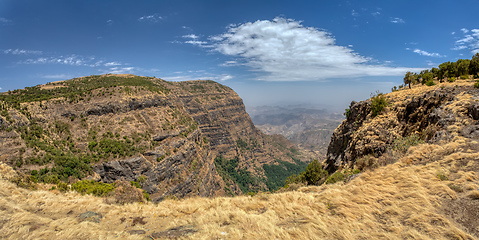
(151, 18)
(376, 14)
(192, 36)
(469, 41)
(284, 50)
(195, 42)
(21, 51)
(73, 60)
(428, 54)
(109, 22)
(119, 70)
(4, 20)
(57, 76)
(452, 33)
(397, 20)
(198, 75)
(354, 13)
(108, 64)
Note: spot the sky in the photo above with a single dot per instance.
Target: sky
(318, 53)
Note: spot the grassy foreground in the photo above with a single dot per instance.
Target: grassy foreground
(398, 201)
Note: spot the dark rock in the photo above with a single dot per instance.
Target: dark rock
(128, 169)
(90, 216)
(473, 111)
(136, 232)
(175, 232)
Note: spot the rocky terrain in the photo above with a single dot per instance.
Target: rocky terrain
(308, 127)
(178, 139)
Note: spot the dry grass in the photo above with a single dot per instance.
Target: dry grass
(403, 200)
(397, 201)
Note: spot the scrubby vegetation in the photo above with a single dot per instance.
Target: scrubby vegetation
(450, 71)
(80, 88)
(277, 174)
(229, 171)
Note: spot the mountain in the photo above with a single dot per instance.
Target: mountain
(178, 139)
(415, 150)
(308, 127)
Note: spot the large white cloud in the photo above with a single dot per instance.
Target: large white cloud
(285, 50)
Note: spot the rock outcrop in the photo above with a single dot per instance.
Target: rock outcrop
(427, 112)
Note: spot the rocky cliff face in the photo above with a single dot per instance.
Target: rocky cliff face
(165, 135)
(431, 113)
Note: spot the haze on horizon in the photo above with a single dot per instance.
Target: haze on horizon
(323, 54)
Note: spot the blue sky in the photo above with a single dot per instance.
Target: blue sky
(324, 53)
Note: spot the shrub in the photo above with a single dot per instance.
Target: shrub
(335, 177)
(430, 83)
(464, 77)
(91, 187)
(476, 84)
(314, 174)
(402, 144)
(378, 103)
(451, 79)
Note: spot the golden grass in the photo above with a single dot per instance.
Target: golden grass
(398, 201)
(393, 202)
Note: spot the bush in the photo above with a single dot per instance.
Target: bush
(378, 103)
(335, 177)
(430, 83)
(476, 84)
(402, 144)
(91, 187)
(365, 162)
(451, 79)
(464, 77)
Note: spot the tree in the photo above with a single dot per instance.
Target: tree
(474, 65)
(409, 78)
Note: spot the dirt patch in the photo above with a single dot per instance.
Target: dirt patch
(465, 212)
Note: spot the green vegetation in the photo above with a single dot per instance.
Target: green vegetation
(313, 175)
(402, 144)
(75, 89)
(378, 103)
(277, 174)
(450, 71)
(227, 169)
(91, 187)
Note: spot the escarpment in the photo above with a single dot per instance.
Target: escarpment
(179, 139)
(431, 114)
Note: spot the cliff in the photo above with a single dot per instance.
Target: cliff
(170, 136)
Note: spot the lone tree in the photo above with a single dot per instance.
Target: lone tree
(409, 78)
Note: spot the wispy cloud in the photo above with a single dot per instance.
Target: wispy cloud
(5, 21)
(425, 53)
(397, 20)
(73, 60)
(197, 75)
(354, 13)
(57, 76)
(21, 51)
(285, 50)
(109, 64)
(470, 41)
(192, 36)
(151, 18)
(109, 22)
(119, 70)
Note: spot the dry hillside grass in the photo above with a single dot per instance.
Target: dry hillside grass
(420, 196)
(398, 201)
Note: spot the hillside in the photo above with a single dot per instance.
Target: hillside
(423, 186)
(177, 139)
